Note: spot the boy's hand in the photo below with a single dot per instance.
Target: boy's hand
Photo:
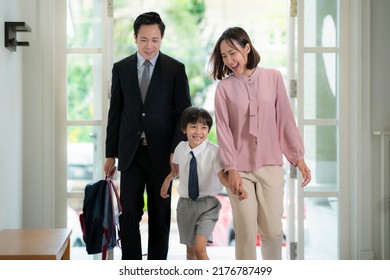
(165, 186)
(164, 190)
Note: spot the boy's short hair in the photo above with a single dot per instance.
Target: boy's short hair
(195, 115)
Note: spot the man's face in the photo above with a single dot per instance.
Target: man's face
(148, 41)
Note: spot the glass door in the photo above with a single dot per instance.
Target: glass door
(88, 25)
(313, 212)
(312, 218)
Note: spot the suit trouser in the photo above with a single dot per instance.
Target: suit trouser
(141, 174)
(260, 213)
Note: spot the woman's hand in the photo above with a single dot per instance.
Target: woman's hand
(306, 173)
(235, 182)
(242, 194)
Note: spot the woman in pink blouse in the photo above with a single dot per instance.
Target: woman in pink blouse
(255, 128)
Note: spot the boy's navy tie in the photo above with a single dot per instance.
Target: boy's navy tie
(193, 184)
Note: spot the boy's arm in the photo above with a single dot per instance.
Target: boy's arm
(223, 178)
(165, 185)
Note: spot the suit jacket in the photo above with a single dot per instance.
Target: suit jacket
(159, 117)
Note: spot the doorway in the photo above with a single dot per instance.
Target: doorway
(100, 32)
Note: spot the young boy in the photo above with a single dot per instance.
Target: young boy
(197, 217)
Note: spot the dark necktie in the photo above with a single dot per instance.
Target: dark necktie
(145, 79)
(193, 185)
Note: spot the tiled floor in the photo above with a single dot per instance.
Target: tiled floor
(177, 251)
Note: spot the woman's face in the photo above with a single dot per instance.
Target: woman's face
(236, 57)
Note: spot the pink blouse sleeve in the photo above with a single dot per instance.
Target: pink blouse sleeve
(289, 137)
(224, 134)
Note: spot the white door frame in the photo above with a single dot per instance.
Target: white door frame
(354, 123)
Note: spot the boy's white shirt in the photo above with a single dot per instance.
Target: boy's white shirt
(208, 165)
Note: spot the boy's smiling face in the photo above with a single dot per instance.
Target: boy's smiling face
(196, 133)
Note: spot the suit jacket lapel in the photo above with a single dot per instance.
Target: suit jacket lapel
(131, 67)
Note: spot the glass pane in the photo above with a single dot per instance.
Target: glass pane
(321, 155)
(84, 87)
(84, 23)
(205, 21)
(321, 86)
(321, 228)
(75, 208)
(84, 156)
(321, 23)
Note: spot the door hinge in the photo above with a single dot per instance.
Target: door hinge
(293, 88)
(293, 8)
(109, 89)
(293, 172)
(110, 8)
(293, 250)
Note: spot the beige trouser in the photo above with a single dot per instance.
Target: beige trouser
(260, 213)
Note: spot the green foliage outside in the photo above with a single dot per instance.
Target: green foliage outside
(185, 22)
(186, 43)
(184, 39)
(80, 79)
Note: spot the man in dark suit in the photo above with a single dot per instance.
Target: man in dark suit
(143, 134)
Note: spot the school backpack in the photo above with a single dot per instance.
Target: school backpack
(99, 219)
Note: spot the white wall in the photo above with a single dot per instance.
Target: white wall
(11, 123)
(38, 118)
(27, 118)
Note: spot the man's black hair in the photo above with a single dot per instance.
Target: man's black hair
(148, 18)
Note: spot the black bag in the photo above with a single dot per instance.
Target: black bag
(98, 219)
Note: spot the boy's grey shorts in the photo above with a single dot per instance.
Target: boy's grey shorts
(197, 218)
